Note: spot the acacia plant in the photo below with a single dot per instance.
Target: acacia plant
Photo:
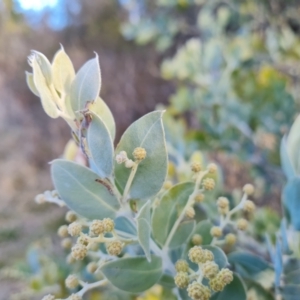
(130, 226)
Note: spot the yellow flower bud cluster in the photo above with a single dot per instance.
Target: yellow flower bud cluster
(114, 247)
(74, 229)
(79, 251)
(210, 269)
(249, 206)
(182, 266)
(102, 226)
(74, 297)
(242, 224)
(223, 205)
(190, 212)
(223, 278)
(197, 239)
(208, 184)
(63, 231)
(198, 291)
(71, 282)
(139, 154)
(71, 216)
(212, 168)
(248, 189)
(196, 167)
(199, 255)
(230, 239)
(182, 279)
(122, 158)
(216, 231)
(199, 198)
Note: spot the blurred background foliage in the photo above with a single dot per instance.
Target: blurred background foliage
(226, 71)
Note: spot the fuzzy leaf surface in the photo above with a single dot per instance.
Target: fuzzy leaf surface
(86, 85)
(78, 187)
(30, 83)
(100, 108)
(169, 209)
(133, 274)
(147, 132)
(144, 228)
(101, 146)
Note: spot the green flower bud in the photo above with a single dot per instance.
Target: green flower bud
(114, 247)
(79, 251)
(74, 229)
(182, 266)
(71, 282)
(182, 280)
(198, 291)
(210, 269)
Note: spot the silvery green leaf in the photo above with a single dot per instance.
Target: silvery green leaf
(48, 98)
(44, 65)
(250, 263)
(144, 228)
(182, 233)
(284, 239)
(167, 281)
(83, 191)
(286, 164)
(220, 257)
(63, 71)
(86, 85)
(100, 146)
(291, 292)
(293, 144)
(125, 227)
(100, 108)
(236, 290)
(291, 201)
(278, 263)
(169, 209)
(30, 83)
(147, 132)
(133, 274)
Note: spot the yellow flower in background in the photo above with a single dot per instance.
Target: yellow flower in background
(267, 75)
(153, 294)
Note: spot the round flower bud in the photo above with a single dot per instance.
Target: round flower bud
(66, 243)
(196, 167)
(230, 239)
(248, 189)
(109, 224)
(242, 224)
(121, 157)
(223, 205)
(208, 184)
(196, 254)
(74, 229)
(71, 216)
(83, 240)
(129, 163)
(70, 259)
(92, 267)
(182, 280)
(207, 256)
(199, 198)
(216, 285)
(182, 266)
(190, 212)
(74, 297)
(225, 276)
(197, 239)
(212, 168)
(210, 269)
(71, 282)
(249, 206)
(48, 297)
(168, 184)
(139, 153)
(63, 231)
(198, 291)
(97, 227)
(114, 247)
(79, 251)
(216, 231)
(39, 199)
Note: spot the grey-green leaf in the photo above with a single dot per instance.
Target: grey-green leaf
(133, 274)
(30, 83)
(44, 65)
(147, 132)
(220, 257)
(291, 292)
(101, 146)
(83, 190)
(63, 71)
(100, 108)
(234, 291)
(169, 209)
(286, 164)
(144, 228)
(182, 234)
(251, 264)
(293, 144)
(86, 85)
